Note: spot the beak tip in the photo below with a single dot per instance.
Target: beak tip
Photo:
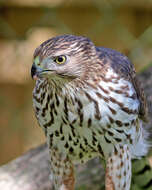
(33, 71)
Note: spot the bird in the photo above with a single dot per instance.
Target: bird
(89, 103)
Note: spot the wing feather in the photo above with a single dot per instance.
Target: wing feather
(122, 66)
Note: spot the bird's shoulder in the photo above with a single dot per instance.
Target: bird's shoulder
(122, 66)
(115, 60)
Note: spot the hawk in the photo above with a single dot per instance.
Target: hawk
(89, 103)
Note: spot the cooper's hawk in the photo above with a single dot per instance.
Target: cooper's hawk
(89, 103)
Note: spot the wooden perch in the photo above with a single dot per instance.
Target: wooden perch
(31, 171)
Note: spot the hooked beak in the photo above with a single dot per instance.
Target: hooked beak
(40, 70)
(35, 71)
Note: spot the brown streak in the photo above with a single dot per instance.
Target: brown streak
(69, 181)
(115, 101)
(112, 110)
(91, 85)
(103, 97)
(109, 183)
(97, 115)
(104, 90)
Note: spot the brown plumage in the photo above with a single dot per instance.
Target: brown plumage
(89, 103)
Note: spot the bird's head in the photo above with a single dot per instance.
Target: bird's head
(63, 57)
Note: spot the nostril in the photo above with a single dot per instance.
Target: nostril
(33, 70)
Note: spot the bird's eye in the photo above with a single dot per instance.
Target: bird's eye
(60, 59)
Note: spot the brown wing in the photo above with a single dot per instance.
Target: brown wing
(121, 65)
(143, 111)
